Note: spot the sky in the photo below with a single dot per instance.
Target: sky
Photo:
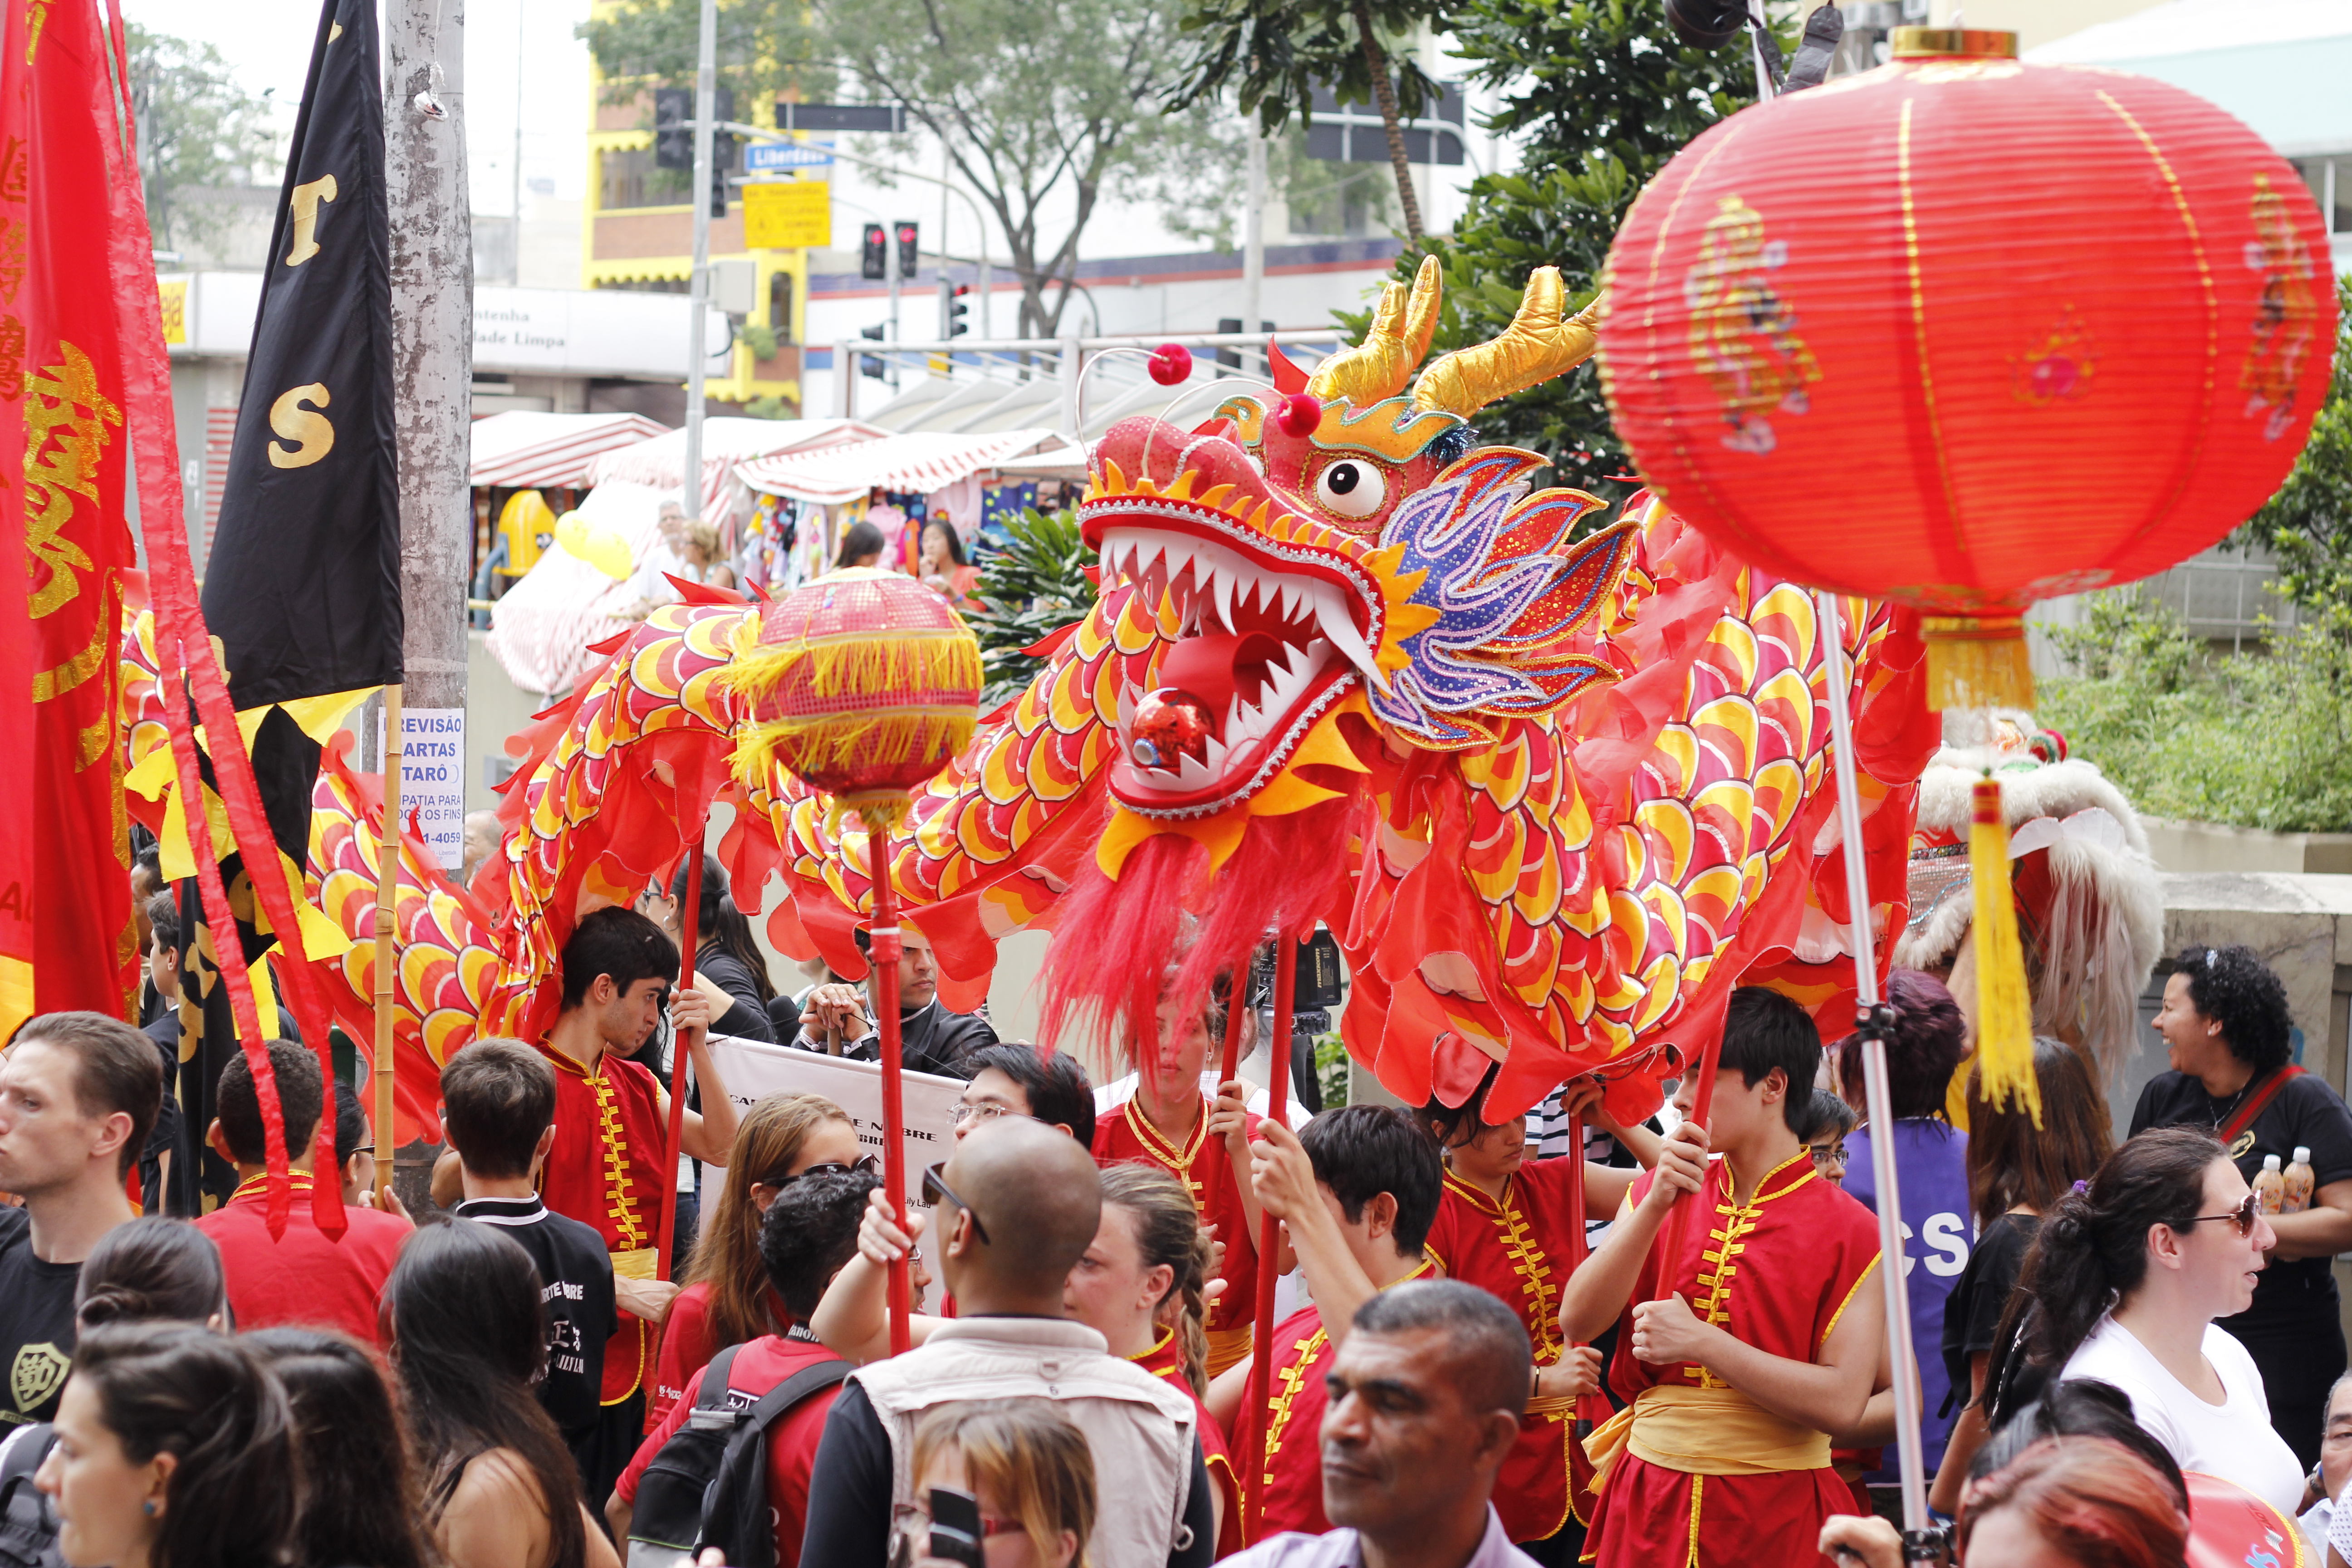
(267, 45)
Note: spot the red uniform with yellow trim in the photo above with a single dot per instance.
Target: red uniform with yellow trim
(1518, 1250)
(1705, 1477)
(1292, 1474)
(1166, 1359)
(605, 1171)
(1125, 1133)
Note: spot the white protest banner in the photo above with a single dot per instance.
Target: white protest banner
(754, 1070)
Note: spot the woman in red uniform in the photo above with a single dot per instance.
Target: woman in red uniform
(1173, 1123)
(1506, 1225)
(1143, 1286)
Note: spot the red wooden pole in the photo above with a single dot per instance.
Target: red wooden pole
(1286, 978)
(667, 1221)
(1237, 998)
(883, 949)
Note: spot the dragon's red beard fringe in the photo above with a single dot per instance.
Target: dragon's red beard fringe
(1115, 942)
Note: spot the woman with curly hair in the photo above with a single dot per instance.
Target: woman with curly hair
(2226, 1029)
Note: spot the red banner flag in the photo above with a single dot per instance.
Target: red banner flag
(65, 893)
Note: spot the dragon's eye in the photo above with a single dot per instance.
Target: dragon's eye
(1351, 489)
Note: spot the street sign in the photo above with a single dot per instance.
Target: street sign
(784, 156)
(788, 216)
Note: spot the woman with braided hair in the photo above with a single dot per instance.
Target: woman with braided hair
(2122, 1285)
(1144, 1287)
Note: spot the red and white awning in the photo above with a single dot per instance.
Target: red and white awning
(522, 450)
(917, 462)
(726, 443)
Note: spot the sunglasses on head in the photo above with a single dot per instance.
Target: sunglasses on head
(935, 1189)
(2244, 1214)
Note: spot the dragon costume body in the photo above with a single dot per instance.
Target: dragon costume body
(1555, 795)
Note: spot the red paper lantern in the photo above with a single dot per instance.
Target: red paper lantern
(864, 683)
(1964, 332)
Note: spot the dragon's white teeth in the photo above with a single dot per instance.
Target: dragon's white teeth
(1291, 594)
(1331, 616)
(1233, 725)
(1223, 584)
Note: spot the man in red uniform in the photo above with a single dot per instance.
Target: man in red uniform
(810, 1231)
(1741, 1352)
(1506, 1225)
(1170, 1122)
(302, 1276)
(612, 1130)
(1356, 1190)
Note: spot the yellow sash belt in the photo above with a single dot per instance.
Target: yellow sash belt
(639, 1263)
(1227, 1346)
(1706, 1432)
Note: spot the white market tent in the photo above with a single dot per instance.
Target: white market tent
(525, 450)
(922, 462)
(539, 632)
(2280, 66)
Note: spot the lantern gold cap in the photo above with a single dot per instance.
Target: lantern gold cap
(1943, 43)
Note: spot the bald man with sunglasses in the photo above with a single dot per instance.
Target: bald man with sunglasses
(1017, 1204)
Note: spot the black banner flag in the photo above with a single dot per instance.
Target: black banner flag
(302, 587)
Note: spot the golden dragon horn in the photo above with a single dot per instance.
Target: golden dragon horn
(1380, 365)
(1535, 346)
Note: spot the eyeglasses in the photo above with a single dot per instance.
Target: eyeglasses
(866, 1163)
(981, 1111)
(911, 1520)
(2245, 1214)
(935, 1189)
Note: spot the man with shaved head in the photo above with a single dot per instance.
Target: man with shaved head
(1016, 1206)
(1424, 1403)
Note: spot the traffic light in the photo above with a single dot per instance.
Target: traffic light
(673, 128)
(874, 257)
(956, 308)
(871, 364)
(722, 148)
(910, 252)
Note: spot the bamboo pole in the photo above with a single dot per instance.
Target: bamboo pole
(1278, 1101)
(387, 896)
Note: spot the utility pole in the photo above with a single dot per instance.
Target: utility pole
(1254, 245)
(433, 347)
(706, 108)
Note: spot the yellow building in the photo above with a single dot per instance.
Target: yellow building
(638, 232)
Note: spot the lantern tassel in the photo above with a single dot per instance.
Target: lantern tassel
(1978, 662)
(2004, 1006)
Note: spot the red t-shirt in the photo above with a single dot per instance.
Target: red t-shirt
(759, 1366)
(302, 1277)
(688, 1343)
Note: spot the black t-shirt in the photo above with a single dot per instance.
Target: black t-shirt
(576, 1276)
(849, 1493)
(1972, 1313)
(2304, 1113)
(36, 1325)
(165, 1032)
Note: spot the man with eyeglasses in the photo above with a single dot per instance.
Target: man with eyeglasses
(838, 1017)
(1016, 1078)
(1018, 1204)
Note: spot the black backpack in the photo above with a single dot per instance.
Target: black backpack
(28, 1530)
(708, 1485)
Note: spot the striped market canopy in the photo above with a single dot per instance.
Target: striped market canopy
(523, 451)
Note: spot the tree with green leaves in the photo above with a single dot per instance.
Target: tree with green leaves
(197, 129)
(1604, 94)
(1274, 54)
(1045, 107)
(766, 49)
(1029, 590)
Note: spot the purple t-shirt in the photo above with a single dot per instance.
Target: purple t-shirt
(1931, 1170)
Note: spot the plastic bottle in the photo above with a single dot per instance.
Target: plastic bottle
(2270, 1186)
(2296, 1195)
